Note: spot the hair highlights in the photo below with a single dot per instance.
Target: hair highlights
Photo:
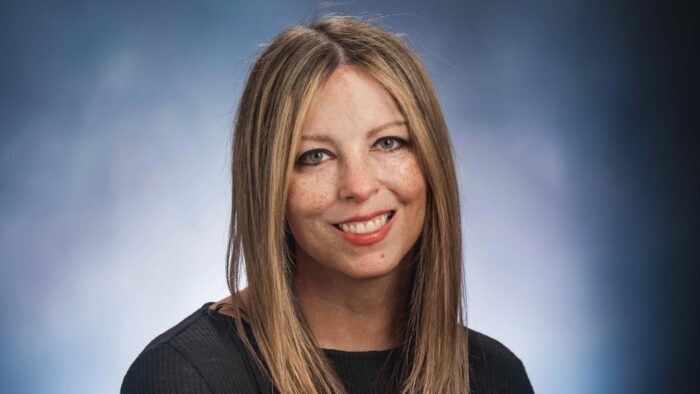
(276, 98)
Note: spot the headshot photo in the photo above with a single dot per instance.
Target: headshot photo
(345, 223)
(348, 197)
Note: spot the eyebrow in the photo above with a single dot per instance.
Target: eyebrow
(370, 132)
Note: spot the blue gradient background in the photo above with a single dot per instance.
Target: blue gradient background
(564, 115)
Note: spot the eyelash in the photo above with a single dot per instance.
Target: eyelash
(400, 142)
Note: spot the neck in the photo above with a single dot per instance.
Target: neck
(352, 314)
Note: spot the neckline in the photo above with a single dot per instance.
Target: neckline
(359, 355)
(333, 353)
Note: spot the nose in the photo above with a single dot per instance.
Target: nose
(358, 180)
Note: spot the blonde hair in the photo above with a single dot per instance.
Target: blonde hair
(277, 96)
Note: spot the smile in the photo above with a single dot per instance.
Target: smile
(368, 226)
(368, 232)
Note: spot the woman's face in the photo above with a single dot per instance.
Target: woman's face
(357, 196)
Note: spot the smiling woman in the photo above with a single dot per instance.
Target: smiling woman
(357, 211)
(346, 219)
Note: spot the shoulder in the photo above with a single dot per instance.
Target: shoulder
(494, 368)
(201, 354)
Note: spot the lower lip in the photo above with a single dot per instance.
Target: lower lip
(369, 238)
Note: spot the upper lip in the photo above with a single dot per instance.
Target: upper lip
(362, 218)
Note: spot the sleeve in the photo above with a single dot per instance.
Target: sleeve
(495, 369)
(520, 382)
(163, 369)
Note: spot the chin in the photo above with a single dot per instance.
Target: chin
(369, 270)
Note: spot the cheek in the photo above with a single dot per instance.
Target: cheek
(308, 195)
(407, 178)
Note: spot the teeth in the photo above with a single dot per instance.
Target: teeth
(369, 226)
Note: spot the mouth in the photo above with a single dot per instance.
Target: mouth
(368, 226)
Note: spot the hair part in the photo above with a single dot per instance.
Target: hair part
(268, 126)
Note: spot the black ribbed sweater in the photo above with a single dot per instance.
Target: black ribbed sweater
(204, 354)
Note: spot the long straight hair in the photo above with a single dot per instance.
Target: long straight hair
(268, 126)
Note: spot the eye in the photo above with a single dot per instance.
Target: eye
(390, 143)
(312, 157)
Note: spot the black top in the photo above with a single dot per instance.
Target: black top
(204, 354)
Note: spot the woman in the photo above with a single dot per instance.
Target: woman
(345, 214)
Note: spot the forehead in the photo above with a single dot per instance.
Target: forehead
(350, 101)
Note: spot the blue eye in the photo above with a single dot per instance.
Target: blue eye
(390, 143)
(312, 157)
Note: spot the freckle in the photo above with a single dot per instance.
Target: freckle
(317, 201)
(381, 256)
